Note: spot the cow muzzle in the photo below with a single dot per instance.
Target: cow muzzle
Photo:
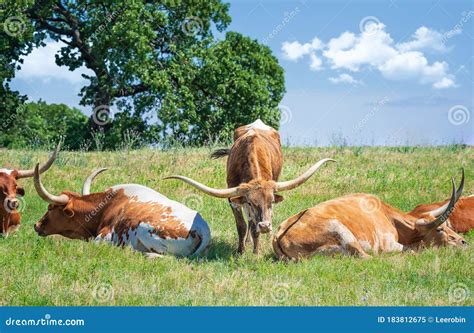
(39, 231)
(11, 204)
(264, 227)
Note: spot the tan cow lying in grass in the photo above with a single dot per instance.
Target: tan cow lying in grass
(359, 223)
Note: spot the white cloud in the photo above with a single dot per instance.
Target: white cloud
(375, 49)
(371, 47)
(316, 62)
(295, 50)
(40, 65)
(445, 82)
(344, 78)
(427, 39)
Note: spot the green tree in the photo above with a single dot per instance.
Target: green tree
(128, 45)
(234, 82)
(12, 46)
(41, 124)
(156, 57)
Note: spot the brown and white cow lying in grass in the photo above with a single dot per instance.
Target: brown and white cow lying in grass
(125, 215)
(9, 190)
(360, 223)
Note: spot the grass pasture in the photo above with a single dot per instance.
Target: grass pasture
(56, 271)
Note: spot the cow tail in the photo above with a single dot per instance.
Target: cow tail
(220, 153)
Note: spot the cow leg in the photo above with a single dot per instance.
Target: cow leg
(255, 236)
(152, 255)
(354, 248)
(248, 237)
(346, 238)
(241, 226)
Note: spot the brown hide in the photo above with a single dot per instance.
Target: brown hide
(86, 217)
(255, 154)
(344, 224)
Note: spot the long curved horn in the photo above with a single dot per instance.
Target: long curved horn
(218, 193)
(291, 184)
(438, 211)
(62, 199)
(421, 225)
(43, 168)
(86, 188)
(461, 186)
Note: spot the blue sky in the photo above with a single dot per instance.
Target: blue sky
(360, 72)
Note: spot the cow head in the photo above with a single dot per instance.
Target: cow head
(257, 196)
(432, 227)
(10, 190)
(70, 214)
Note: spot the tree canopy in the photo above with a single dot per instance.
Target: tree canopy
(158, 62)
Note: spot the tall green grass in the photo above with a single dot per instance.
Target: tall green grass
(57, 271)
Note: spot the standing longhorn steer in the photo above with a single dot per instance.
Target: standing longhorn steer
(253, 167)
(125, 215)
(361, 223)
(9, 190)
(462, 218)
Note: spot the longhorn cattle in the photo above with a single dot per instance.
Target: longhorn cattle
(9, 190)
(253, 167)
(124, 215)
(462, 218)
(361, 223)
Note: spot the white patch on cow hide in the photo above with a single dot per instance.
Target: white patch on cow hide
(146, 195)
(366, 246)
(7, 171)
(258, 124)
(390, 244)
(247, 211)
(345, 235)
(144, 238)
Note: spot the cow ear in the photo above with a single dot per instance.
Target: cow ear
(20, 191)
(237, 200)
(68, 210)
(278, 198)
